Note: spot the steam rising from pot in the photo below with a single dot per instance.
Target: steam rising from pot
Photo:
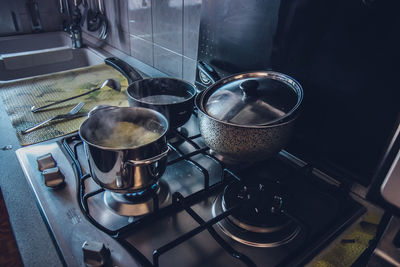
(121, 128)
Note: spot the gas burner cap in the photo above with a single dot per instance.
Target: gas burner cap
(259, 205)
(138, 203)
(258, 219)
(143, 195)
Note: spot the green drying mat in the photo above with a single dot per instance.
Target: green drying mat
(19, 96)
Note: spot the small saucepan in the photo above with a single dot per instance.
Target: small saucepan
(174, 98)
(126, 147)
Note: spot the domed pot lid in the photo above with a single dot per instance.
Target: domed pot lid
(253, 98)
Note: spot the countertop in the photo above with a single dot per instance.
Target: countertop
(31, 233)
(33, 240)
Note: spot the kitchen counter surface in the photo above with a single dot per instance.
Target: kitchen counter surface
(34, 242)
(31, 233)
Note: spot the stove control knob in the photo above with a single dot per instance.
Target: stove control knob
(53, 177)
(95, 254)
(46, 162)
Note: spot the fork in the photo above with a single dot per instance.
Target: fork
(70, 115)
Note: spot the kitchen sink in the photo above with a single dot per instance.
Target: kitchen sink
(32, 63)
(24, 56)
(31, 42)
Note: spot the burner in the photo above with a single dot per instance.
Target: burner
(258, 221)
(260, 206)
(138, 203)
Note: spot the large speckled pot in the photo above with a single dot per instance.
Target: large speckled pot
(239, 143)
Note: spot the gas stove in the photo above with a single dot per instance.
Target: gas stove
(202, 211)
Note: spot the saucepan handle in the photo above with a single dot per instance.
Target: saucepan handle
(147, 161)
(100, 107)
(210, 76)
(127, 70)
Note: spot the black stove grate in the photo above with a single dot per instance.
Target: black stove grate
(178, 202)
(179, 199)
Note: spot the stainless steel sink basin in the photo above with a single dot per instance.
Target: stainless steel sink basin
(31, 42)
(33, 63)
(24, 56)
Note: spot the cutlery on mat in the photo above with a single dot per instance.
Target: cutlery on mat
(111, 83)
(73, 113)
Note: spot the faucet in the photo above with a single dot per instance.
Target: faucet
(33, 9)
(75, 30)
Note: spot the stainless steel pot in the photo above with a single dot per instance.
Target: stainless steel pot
(125, 169)
(249, 116)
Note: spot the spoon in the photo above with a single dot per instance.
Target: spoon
(70, 115)
(113, 84)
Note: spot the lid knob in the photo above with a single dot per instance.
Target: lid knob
(249, 87)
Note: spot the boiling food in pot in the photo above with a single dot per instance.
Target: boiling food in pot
(163, 99)
(127, 135)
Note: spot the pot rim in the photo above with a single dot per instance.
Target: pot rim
(162, 135)
(192, 92)
(284, 78)
(200, 109)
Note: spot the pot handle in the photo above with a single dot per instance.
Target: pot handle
(124, 68)
(148, 161)
(208, 72)
(100, 107)
(249, 88)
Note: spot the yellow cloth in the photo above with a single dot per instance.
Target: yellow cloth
(19, 96)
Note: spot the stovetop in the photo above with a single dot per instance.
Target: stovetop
(189, 225)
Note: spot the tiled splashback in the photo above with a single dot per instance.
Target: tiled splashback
(50, 18)
(161, 33)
